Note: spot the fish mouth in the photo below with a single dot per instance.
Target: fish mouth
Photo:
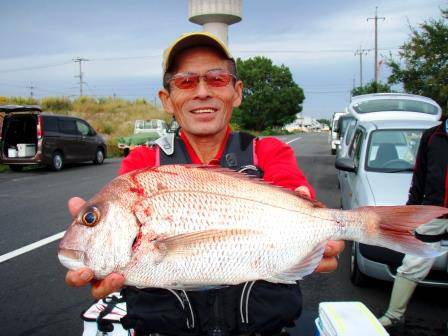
(72, 259)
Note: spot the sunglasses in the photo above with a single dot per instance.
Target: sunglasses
(213, 78)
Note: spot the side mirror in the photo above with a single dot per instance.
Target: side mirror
(346, 164)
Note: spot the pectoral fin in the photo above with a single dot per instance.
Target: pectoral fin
(304, 267)
(187, 243)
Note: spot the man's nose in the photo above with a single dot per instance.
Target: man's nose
(202, 89)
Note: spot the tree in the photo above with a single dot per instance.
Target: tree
(271, 99)
(372, 87)
(425, 62)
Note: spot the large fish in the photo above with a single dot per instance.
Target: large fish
(190, 227)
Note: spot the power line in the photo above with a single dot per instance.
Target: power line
(303, 50)
(34, 68)
(124, 58)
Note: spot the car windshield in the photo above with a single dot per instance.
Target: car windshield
(393, 150)
(149, 124)
(402, 105)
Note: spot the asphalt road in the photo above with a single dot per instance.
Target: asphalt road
(34, 299)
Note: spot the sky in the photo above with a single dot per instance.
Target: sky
(123, 42)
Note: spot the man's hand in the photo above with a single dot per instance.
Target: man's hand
(303, 191)
(329, 261)
(83, 276)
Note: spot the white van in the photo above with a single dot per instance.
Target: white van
(334, 138)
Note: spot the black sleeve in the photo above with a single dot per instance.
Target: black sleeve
(417, 189)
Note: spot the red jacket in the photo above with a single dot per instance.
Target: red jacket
(274, 158)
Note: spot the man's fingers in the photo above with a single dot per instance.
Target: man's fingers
(74, 205)
(327, 265)
(303, 191)
(112, 283)
(79, 277)
(329, 260)
(334, 248)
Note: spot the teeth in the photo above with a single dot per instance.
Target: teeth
(203, 111)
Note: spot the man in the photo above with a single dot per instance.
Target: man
(429, 187)
(200, 90)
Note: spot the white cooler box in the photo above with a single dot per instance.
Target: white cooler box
(347, 319)
(26, 150)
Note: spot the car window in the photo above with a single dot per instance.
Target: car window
(403, 105)
(349, 133)
(343, 123)
(83, 128)
(68, 126)
(393, 149)
(50, 124)
(355, 148)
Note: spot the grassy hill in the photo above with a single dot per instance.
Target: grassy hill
(113, 118)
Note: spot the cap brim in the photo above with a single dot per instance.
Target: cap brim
(192, 40)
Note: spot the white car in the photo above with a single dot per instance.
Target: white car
(393, 106)
(377, 170)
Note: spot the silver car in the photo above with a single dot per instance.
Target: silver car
(377, 170)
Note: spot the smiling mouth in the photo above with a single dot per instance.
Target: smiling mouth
(203, 110)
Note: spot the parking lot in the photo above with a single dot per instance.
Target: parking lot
(36, 301)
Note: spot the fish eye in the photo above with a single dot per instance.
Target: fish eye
(91, 216)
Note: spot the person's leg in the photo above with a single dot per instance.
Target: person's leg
(409, 274)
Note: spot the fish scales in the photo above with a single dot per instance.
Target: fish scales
(185, 227)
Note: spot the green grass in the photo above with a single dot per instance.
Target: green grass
(3, 168)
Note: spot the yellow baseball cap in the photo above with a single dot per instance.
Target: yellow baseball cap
(191, 40)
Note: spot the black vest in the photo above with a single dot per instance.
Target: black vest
(238, 154)
(257, 306)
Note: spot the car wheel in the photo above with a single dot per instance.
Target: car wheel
(99, 157)
(57, 162)
(356, 276)
(16, 168)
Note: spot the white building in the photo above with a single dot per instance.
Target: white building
(305, 124)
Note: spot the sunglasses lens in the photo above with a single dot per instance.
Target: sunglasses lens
(218, 78)
(213, 78)
(186, 81)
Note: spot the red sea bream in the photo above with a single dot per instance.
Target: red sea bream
(189, 227)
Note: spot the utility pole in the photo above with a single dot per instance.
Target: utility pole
(376, 18)
(31, 87)
(80, 76)
(360, 52)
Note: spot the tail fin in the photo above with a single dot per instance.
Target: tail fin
(392, 227)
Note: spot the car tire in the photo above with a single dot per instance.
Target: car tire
(57, 162)
(357, 278)
(16, 168)
(99, 157)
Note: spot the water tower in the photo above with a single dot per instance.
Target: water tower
(215, 16)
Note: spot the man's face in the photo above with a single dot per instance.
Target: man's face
(202, 110)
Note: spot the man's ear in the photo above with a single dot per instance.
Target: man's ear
(165, 98)
(238, 96)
